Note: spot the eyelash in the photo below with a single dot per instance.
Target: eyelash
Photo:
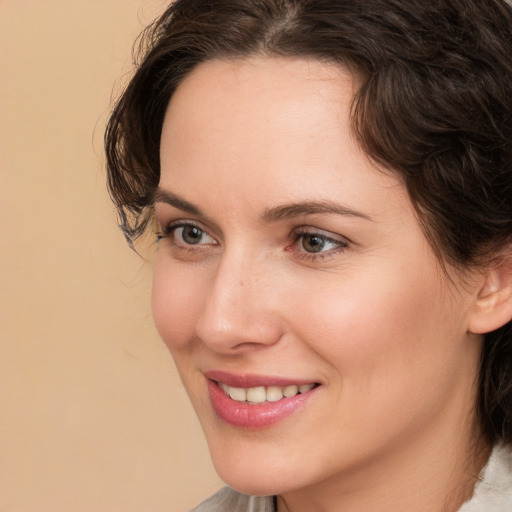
(297, 235)
(301, 233)
(169, 229)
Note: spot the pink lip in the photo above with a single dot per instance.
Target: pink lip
(245, 415)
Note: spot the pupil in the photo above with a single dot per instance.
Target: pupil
(192, 235)
(313, 243)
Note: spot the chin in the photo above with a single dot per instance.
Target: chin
(254, 483)
(257, 473)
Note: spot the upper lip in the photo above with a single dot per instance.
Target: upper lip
(237, 380)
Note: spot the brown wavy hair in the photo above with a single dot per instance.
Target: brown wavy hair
(434, 106)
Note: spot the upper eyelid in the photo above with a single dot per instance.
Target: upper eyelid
(328, 235)
(339, 244)
(176, 223)
(165, 210)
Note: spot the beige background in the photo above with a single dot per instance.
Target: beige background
(92, 415)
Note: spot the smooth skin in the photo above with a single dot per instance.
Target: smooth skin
(286, 252)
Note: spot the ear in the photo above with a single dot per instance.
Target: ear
(493, 306)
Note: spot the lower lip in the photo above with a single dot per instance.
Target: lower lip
(244, 415)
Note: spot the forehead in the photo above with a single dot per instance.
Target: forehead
(230, 97)
(270, 128)
(266, 76)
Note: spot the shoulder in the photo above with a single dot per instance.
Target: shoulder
(228, 499)
(493, 491)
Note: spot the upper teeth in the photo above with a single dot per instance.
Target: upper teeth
(262, 394)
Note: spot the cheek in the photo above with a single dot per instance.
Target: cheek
(177, 297)
(392, 355)
(375, 331)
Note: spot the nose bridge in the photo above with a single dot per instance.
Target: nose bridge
(238, 309)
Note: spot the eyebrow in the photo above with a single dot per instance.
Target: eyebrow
(164, 196)
(281, 212)
(292, 210)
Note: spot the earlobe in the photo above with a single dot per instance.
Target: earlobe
(493, 306)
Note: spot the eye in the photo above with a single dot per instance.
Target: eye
(313, 244)
(192, 235)
(316, 243)
(187, 234)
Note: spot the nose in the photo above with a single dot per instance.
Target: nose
(240, 311)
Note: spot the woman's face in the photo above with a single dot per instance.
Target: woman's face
(289, 259)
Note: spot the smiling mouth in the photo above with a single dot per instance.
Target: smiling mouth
(261, 394)
(251, 401)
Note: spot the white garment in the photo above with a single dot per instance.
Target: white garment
(228, 500)
(493, 491)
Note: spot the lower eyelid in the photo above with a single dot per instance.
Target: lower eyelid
(318, 257)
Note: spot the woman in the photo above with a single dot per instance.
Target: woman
(331, 183)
